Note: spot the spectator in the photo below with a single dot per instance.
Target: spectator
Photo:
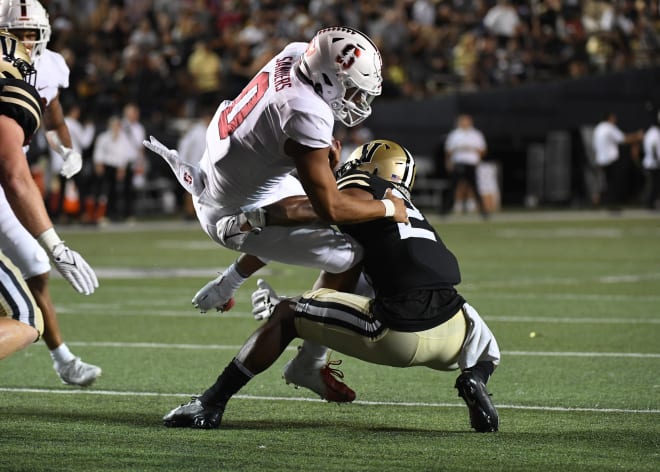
(502, 20)
(651, 164)
(135, 170)
(606, 141)
(205, 67)
(110, 158)
(465, 147)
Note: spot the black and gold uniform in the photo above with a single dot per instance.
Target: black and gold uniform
(21, 101)
(417, 318)
(410, 268)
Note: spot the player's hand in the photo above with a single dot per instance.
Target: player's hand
(189, 176)
(400, 210)
(74, 269)
(72, 163)
(264, 301)
(214, 295)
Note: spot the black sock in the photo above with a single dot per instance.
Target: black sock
(232, 379)
(483, 370)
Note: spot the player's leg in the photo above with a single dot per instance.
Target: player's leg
(20, 318)
(24, 251)
(258, 353)
(480, 355)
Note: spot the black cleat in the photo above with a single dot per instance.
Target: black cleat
(483, 415)
(194, 414)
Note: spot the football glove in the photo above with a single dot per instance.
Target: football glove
(214, 295)
(72, 163)
(189, 176)
(264, 301)
(74, 269)
(72, 160)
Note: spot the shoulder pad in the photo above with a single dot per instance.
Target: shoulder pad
(20, 101)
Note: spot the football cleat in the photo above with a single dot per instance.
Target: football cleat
(483, 415)
(320, 378)
(194, 414)
(77, 372)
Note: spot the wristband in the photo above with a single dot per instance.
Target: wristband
(49, 239)
(389, 207)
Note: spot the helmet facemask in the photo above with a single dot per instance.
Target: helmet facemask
(16, 61)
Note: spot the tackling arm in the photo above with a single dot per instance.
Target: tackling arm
(328, 202)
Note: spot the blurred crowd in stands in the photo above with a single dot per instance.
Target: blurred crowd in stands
(168, 56)
(178, 59)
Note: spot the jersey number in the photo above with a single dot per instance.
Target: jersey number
(409, 230)
(232, 116)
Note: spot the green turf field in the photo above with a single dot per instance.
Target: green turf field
(582, 394)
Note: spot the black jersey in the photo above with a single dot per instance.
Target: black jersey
(21, 102)
(410, 268)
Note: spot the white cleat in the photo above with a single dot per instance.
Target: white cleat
(77, 372)
(319, 378)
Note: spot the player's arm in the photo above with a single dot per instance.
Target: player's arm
(22, 192)
(54, 121)
(25, 200)
(328, 202)
(59, 138)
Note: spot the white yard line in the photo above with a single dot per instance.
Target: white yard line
(297, 399)
(641, 355)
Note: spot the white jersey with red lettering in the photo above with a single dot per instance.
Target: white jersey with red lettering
(246, 168)
(244, 161)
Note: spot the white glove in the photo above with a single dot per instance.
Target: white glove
(264, 301)
(232, 230)
(74, 269)
(189, 176)
(72, 163)
(72, 159)
(214, 294)
(69, 263)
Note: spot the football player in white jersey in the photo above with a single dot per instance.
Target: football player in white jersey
(283, 122)
(21, 320)
(28, 20)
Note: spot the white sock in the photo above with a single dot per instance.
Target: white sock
(312, 353)
(233, 278)
(61, 354)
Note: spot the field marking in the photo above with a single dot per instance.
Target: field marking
(318, 400)
(86, 310)
(554, 319)
(643, 355)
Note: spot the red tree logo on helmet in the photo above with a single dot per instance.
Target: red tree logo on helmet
(348, 56)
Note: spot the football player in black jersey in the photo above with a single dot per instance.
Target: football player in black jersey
(417, 318)
(21, 109)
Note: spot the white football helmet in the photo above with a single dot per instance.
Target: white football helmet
(344, 67)
(26, 15)
(386, 159)
(15, 61)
